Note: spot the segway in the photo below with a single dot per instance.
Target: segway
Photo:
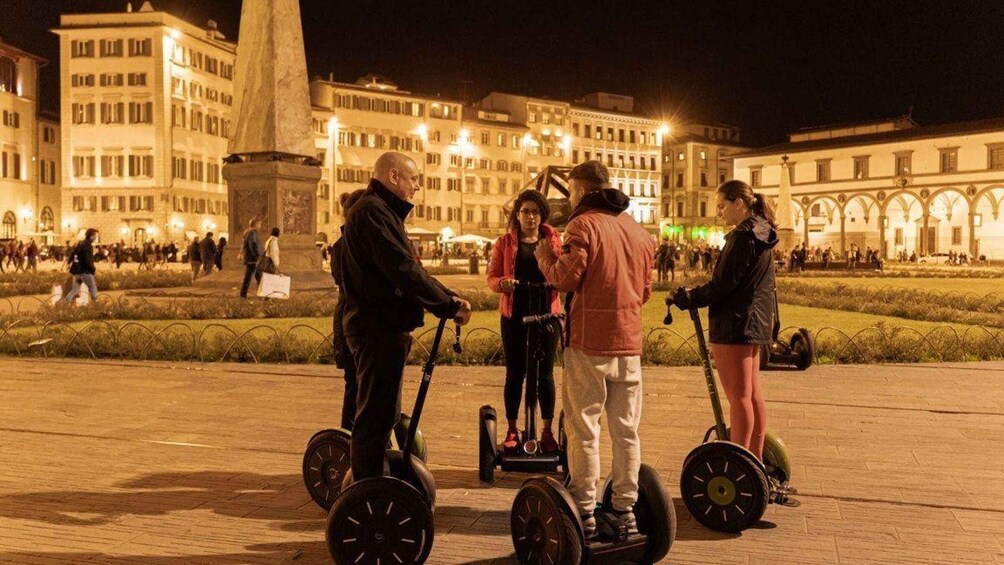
(389, 519)
(528, 458)
(547, 529)
(724, 486)
(326, 459)
(799, 352)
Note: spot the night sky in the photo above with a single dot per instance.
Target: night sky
(768, 67)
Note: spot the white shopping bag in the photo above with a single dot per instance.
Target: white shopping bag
(274, 286)
(57, 294)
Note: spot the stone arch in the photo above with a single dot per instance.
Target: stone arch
(988, 193)
(941, 196)
(900, 194)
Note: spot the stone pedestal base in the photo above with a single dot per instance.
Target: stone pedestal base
(787, 240)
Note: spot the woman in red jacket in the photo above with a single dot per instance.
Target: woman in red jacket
(513, 260)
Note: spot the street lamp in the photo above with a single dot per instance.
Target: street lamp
(422, 131)
(462, 144)
(333, 135)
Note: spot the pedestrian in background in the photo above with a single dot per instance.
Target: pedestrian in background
(195, 257)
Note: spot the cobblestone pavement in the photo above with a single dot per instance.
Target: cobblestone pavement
(170, 464)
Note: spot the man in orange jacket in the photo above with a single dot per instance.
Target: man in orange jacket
(606, 261)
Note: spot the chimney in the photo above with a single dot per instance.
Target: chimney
(331, 77)
(211, 24)
(128, 7)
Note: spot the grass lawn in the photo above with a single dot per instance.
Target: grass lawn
(653, 313)
(943, 285)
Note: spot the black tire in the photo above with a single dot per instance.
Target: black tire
(543, 531)
(654, 512)
(803, 344)
(723, 487)
(764, 357)
(486, 444)
(774, 467)
(325, 463)
(379, 518)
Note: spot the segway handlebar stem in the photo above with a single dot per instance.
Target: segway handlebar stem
(423, 389)
(709, 374)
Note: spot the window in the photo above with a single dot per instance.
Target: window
(610, 134)
(83, 166)
(9, 225)
(179, 167)
(755, 177)
(82, 113)
(8, 75)
(140, 47)
(679, 208)
(485, 137)
(898, 238)
(949, 159)
(141, 112)
(112, 165)
(113, 113)
(995, 156)
(903, 163)
(860, 168)
(956, 235)
(679, 180)
(111, 47)
(82, 80)
(17, 166)
(620, 135)
(112, 79)
(82, 48)
(823, 170)
(141, 166)
(178, 116)
(722, 176)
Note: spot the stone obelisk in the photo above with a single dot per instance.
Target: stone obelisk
(272, 172)
(785, 226)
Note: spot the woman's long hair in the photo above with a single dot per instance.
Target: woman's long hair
(738, 190)
(537, 198)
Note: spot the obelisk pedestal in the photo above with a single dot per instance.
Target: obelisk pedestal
(272, 172)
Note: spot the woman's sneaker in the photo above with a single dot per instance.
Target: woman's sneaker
(511, 443)
(547, 442)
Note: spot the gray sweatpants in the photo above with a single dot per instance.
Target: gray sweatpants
(593, 384)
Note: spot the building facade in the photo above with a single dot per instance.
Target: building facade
(605, 130)
(696, 159)
(29, 149)
(891, 185)
(145, 105)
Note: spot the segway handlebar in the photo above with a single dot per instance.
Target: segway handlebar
(668, 320)
(541, 318)
(534, 285)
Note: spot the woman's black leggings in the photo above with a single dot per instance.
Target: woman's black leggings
(514, 342)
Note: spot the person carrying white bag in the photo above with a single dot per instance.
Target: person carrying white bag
(273, 283)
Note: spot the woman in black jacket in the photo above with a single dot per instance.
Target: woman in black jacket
(740, 308)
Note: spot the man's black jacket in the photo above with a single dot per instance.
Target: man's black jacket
(385, 285)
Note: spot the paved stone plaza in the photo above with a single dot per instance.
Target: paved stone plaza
(161, 463)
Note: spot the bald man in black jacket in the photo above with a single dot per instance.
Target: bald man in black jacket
(386, 291)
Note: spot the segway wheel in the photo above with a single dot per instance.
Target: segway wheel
(325, 464)
(764, 357)
(775, 454)
(543, 530)
(805, 347)
(723, 487)
(654, 513)
(486, 444)
(419, 449)
(379, 520)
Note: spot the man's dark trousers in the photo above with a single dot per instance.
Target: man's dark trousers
(250, 270)
(380, 360)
